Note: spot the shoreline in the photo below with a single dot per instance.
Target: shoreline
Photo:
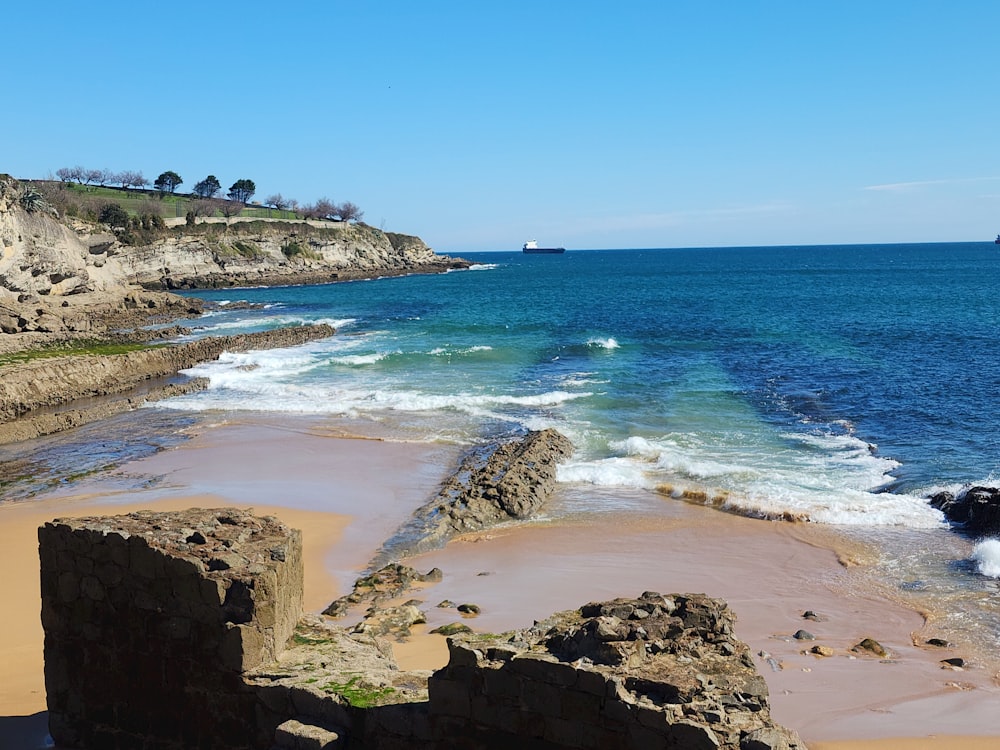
(352, 493)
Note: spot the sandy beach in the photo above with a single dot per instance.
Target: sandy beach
(349, 494)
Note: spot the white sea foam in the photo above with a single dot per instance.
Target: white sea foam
(272, 321)
(834, 480)
(360, 359)
(448, 351)
(986, 555)
(603, 343)
(483, 266)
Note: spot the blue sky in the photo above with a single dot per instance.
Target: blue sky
(590, 125)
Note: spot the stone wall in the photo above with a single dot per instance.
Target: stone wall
(150, 620)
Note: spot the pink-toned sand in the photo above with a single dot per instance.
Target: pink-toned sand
(348, 495)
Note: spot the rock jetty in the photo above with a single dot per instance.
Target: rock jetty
(182, 629)
(508, 480)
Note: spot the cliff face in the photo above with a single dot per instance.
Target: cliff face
(45, 261)
(220, 254)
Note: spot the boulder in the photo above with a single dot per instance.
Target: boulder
(975, 509)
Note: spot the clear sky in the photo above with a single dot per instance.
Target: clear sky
(479, 125)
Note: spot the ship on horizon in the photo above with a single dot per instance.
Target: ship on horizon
(531, 246)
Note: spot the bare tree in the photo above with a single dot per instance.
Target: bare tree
(71, 174)
(347, 211)
(104, 176)
(205, 207)
(93, 175)
(231, 208)
(277, 200)
(324, 208)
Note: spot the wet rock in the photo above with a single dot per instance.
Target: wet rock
(975, 509)
(469, 609)
(803, 635)
(504, 481)
(939, 643)
(819, 650)
(871, 646)
(389, 582)
(453, 628)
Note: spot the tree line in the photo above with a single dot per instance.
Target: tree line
(208, 189)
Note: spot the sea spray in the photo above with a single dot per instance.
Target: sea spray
(986, 555)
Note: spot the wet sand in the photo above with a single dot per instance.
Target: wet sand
(348, 495)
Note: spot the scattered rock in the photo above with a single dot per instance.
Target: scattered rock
(939, 643)
(452, 629)
(955, 662)
(819, 650)
(469, 609)
(389, 582)
(871, 646)
(446, 604)
(394, 621)
(810, 615)
(803, 635)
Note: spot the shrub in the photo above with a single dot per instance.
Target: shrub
(113, 215)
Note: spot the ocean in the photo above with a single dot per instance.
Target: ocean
(837, 385)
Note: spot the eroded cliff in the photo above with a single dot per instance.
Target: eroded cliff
(51, 268)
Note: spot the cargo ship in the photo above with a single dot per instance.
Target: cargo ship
(531, 246)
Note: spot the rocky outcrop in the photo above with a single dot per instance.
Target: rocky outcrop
(48, 423)
(181, 629)
(151, 619)
(657, 671)
(975, 509)
(498, 482)
(389, 582)
(35, 321)
(48, 264)
(57, 381)
(46, 257)
(269, 252)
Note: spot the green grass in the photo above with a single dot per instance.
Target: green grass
(173, 205)
(74, 348)
(358, 696)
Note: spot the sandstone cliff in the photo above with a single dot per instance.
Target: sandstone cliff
(50, 268)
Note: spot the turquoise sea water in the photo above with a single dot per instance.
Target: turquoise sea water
(835, 384)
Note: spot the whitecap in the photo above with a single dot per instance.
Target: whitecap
(604, 343)
(986, 555)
